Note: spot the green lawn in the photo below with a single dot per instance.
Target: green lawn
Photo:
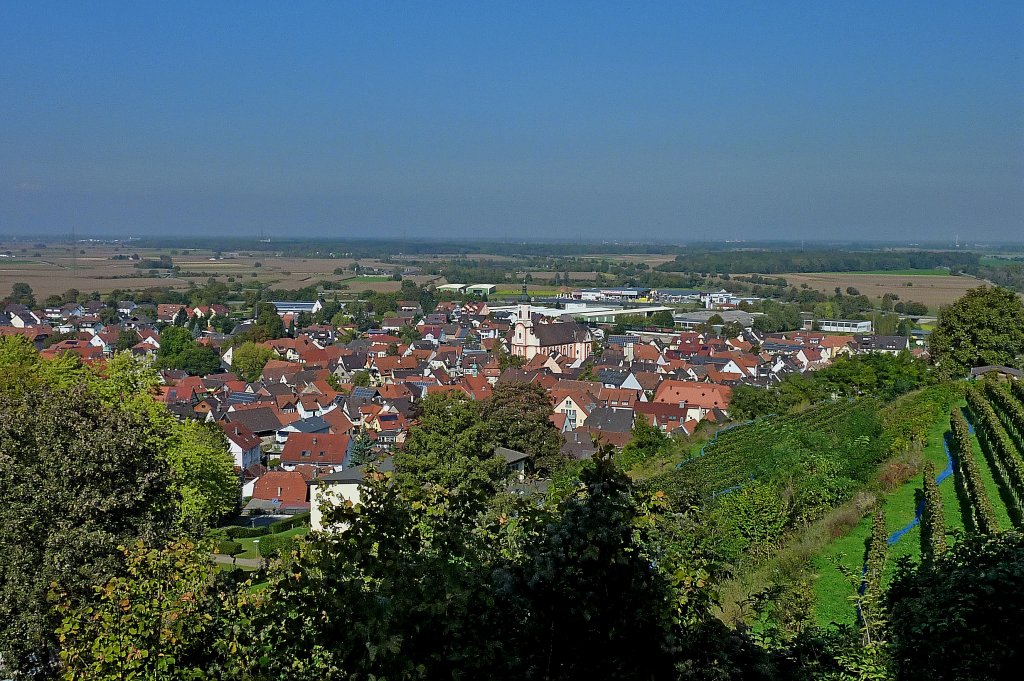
(250, 548)
(832, 590)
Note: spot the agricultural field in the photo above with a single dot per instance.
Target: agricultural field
(53, 269)
(650, 259)
(931, 287)
(833, 444)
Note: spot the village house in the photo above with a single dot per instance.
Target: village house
(242, 443)
(698, 399)
(322, 450)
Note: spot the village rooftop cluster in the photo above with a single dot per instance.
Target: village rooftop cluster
(299, 421)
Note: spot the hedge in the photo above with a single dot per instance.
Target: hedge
(229, 548)
(273, 545)
(933, 519)
(298, 520)
(239, 532)
(984, 517)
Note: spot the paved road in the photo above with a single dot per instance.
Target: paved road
(250, 563)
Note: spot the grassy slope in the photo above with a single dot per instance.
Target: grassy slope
(991, 487)
(832, 590)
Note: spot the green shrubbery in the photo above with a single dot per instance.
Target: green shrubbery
(274, 545)
(969, 476)
(229, 547)
(757, 481)
(298, 520)
(239, 532)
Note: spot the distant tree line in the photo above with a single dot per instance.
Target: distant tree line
(780, 261)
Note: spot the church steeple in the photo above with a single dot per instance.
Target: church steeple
(524, 297)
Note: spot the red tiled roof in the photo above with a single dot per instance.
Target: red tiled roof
(703, 395)
(288, 487)
(315, 448)
(240, 434)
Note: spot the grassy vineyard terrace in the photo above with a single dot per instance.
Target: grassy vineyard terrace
(797, 488)
(832, 590)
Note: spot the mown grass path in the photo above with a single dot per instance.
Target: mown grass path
(832, 590)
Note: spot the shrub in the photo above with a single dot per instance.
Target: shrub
(229, 548)
(238, 532)
(297, 520)
(895, 474)
(217, 534)
(844, 519)
(274, 544)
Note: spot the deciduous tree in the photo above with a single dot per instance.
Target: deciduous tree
(449, 448)
(203, 475)
(516, 415)
(956, 617)
(985, 326)
(161, 619)
(248, 360)
(78, 478)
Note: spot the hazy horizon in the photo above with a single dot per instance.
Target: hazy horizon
(572, 122)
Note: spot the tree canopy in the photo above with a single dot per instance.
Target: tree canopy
(869, 375)
(248, 360)
(517, 416)
(179, 350)
(985, 326)
(449, 448)
(79, 477)
(204, 474)
(89, 462)
(955, 617)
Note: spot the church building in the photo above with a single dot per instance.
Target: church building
(535, 334)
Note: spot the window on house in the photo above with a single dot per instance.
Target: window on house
(279, 490)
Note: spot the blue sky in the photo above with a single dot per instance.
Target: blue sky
(669, 121)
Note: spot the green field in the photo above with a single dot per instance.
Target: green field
(532, 288)
(995, 261)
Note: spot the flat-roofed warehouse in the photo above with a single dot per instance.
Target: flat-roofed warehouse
(609, 316)
(689, 320)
